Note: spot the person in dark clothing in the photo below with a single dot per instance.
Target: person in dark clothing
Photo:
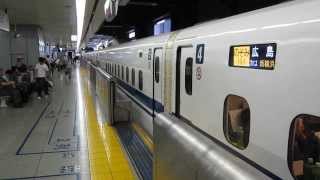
(306, 143)
(8, 88)
(21, 66)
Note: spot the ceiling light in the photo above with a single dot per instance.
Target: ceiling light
(74, 38)
(80, 7)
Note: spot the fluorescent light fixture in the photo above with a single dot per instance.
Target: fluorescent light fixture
(132, 34)
(81, 7)
(74, 38)
(161, 21)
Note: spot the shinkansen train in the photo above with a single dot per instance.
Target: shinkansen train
(249, 81)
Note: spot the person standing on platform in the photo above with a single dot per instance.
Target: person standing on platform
(41, 73)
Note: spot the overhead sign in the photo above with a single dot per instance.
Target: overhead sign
(111, 9)
(4, 21)
(256, 56)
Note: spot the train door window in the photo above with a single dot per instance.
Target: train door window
(140, 80)
(127, 75)
(118, 70)
(157, 69)
(122, 72)
(133, 79)
(236, 121)
(188, 75)
(304, 147)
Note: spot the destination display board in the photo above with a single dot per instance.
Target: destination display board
(255, 56)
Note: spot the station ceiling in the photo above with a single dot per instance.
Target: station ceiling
(141, 14)
(56, 18)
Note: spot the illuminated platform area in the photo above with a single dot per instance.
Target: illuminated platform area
(61, 137)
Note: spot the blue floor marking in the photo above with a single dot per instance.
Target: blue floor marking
(77, 176)
(29, 133)
(56, 122)
(52, 132)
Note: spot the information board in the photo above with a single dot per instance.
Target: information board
(255, 56)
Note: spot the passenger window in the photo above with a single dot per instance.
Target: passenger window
(188, 75)
(140, 80)
(122, 72)
(304, 147)
(133, 78)
(236, 121)
(127, 75)
(157, 69)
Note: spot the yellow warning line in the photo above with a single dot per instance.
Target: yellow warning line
(107, 159)
(144, 136)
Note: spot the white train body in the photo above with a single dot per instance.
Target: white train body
(275, 96)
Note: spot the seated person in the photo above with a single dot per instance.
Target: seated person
(305, 142)
(305, 150)
(5, 80)
(21, 66)
(8, 88)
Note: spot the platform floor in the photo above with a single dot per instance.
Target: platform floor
(60, 137)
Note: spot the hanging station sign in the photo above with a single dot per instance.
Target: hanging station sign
(4, 21)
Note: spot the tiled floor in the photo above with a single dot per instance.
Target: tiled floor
(43, 140)
(49, 138)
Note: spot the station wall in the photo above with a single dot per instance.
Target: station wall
(26, 46)
(4, 49)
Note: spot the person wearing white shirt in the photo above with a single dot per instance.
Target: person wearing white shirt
(41, 74)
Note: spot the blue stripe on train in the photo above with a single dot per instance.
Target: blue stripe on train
(147, 101)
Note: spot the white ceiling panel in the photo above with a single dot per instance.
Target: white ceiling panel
(56, 18)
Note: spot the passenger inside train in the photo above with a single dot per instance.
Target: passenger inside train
(237, 123)
(305, 147)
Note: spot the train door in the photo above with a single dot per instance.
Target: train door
(184, 79)
(157, 77)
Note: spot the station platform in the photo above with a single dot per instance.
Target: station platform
(61, 137)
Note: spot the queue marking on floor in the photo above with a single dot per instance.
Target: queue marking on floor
(107, 159)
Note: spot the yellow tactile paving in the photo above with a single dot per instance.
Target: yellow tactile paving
(107, 159)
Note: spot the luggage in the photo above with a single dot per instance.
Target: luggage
(16, 98)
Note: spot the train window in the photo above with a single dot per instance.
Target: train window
(140, 80)
(304, 147)
(188, 75)
(157, 69)
(236, 121)
(127, 75)
(106, 68)
(133, 78)
(118, 70)
(122, 72)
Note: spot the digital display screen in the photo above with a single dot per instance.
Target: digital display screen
(256, 56)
